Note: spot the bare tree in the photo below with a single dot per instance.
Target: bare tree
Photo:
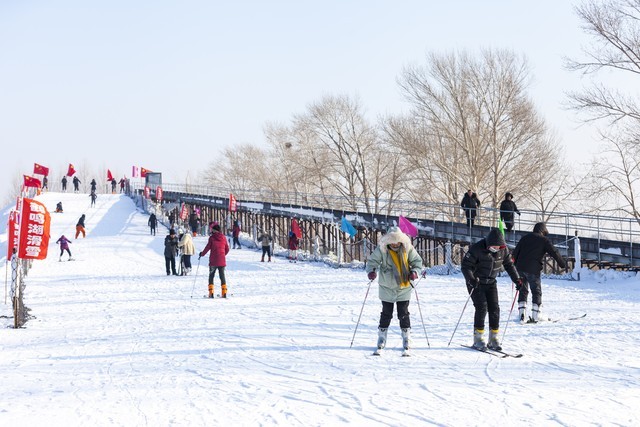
(475, 126)
(614, 27)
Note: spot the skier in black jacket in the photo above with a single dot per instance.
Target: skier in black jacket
(507, 208)
(528, 256)
(480, 266)
(170, 252)
(470, 203)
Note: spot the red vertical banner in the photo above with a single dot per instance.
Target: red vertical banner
(13, 234)
(233, 204)
(35, 222)
(147, 192)
(184, 212)
(159, 193)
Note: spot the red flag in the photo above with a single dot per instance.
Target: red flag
(32, 182)
(34, 230)
(233, 204)
(71, 170)
(13, 235)
(40, 170)
(143, 172)
(109, 176)
(296, 228)
(406, 227)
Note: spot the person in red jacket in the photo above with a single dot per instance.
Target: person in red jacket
(293, 247)
(219, 248)
(236, 234)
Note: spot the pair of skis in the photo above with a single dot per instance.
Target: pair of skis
(497, 353)
(405, 352)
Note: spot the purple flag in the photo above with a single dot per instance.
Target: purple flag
(406, 227)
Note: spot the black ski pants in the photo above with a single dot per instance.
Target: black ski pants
(485, 299)
(530, 280)
(212, 275)
(170, 263)
(387, 314)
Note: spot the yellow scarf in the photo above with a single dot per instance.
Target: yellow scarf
(402, 267)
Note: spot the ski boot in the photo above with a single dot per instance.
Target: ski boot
(224, 291)
(478, 340)
(406, 338)
(382, 337)
(493, 344)
(522, 311)
(535, 313)
(211, 290)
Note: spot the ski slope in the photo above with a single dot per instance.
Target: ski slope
(115, 342)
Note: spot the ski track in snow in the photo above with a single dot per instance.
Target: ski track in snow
(114, 341)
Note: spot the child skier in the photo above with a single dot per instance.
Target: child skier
(64, 246)
(398, 263)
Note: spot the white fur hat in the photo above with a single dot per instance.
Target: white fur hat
(394, 235)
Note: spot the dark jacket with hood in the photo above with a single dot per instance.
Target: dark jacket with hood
(531, 249)
(171, 245)
(470, 204)
(508, 207)
(482, 266)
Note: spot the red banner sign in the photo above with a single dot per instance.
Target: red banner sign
(233, 204)
(34, 230)
(13, 235)
(147, 192)
(159, 193)
(184, 212)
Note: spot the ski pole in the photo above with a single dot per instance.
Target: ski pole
(510, 312)
(420, 310)
(363, 302)
(463, 309)
(195, 277)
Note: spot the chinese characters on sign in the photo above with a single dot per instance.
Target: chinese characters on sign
(34, 230)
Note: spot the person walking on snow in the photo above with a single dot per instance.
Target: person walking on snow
(76, 184)
(80, 227)
(153, 223)
(194, 222)
(170, 252)
(188, 249)
(113, 186)
(293, 247)
(398, 264)
(93, 196)
(507, 208)
(528, 256)
(265, 240)
(219, 247)
(480, 267)
(470, 203)
(93, 185)
(235, 233)
(64, 246)
(64, 184)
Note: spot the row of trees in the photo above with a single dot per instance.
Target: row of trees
(471, 125)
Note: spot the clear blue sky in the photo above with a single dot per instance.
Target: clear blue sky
(167, 84)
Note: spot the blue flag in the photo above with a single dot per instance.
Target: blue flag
(347, 227)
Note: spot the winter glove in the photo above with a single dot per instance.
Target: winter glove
(471, 284)
(372, 275)
(518, 284)
(413, 275)
(518, 213)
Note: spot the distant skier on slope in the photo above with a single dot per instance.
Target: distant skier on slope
(219, 247)
(80, 227)
(64, 246)
(398, 264)
(480, 267)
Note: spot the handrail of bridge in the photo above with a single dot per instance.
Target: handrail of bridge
(569, 224)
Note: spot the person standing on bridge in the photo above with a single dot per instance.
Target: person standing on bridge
(470, 203)
(507, 209)
(480, 267)
(528, 256)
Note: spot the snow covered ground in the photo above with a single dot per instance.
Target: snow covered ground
(115, 342)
